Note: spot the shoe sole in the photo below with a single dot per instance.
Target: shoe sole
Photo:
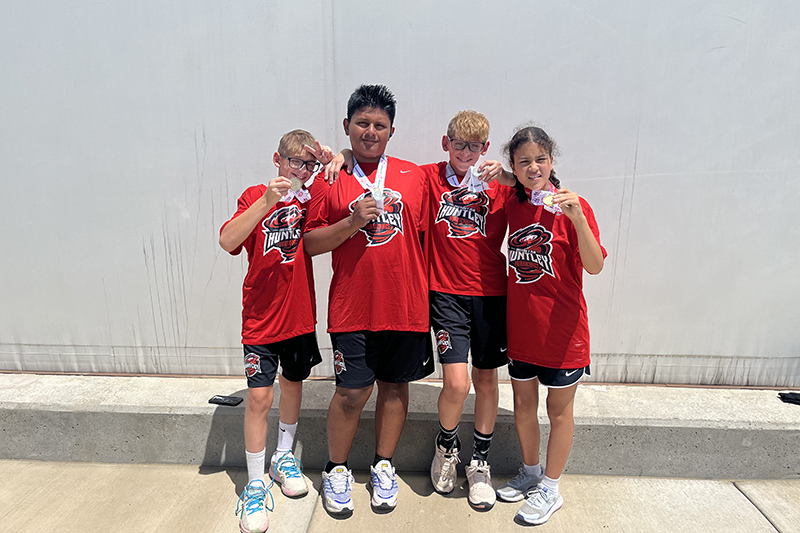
(343, 511)
(284, 490)
(481, 506)
(545, 518)
(517, 497)
(382, 505)
(243, 530)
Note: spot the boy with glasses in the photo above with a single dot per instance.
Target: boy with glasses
(467, 298)
(278, 313)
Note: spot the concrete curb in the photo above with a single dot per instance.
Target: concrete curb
(620, 430)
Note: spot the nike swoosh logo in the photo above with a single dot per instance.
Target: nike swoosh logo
(568, 374)
(404, 171)
(503, 350)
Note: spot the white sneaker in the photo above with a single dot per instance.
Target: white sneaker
(516, 487)
(336, 488)
(285, 470)
(540, 506)
(384, 485)
(481, 493)
(443, 469)
(252, 508)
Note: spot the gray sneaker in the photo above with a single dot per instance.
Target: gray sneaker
(514, 490)
(540, 506)
(443, 469)
(481, 493)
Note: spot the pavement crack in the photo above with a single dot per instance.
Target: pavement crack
(754, 504)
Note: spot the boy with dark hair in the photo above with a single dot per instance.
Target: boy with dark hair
(378, 304)
(278, 313)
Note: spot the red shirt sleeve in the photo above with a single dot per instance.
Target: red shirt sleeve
(250, 195)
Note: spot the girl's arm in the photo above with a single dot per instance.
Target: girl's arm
(591, 253)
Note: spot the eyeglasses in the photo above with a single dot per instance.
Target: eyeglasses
(459, 145)
(297, 163)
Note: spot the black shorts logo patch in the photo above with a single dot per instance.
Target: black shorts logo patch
(443, 341)
(464, 212)
(283, 229)
(252, 364)
(529, 253)
(389, 223)
(338, 362)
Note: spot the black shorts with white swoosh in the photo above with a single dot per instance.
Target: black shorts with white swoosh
(557, 378)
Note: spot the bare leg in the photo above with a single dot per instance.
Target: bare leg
(290, 400)
(526, 404)
(390, 416)
(454, 392)
(259, 402)
(487, 398)
(560, 404)
(344, 414)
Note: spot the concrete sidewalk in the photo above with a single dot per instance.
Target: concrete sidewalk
(89, 497)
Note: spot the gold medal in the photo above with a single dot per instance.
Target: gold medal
(548, 200)
(296, 184)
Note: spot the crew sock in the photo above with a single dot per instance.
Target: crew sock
(285, 438)
(481, 444)
(448, 438)
(255, 465)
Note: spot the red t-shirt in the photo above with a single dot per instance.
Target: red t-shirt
(278, 300)
(380, 280)
(466, 233)
(547, 321)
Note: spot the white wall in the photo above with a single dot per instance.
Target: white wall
(129, 128)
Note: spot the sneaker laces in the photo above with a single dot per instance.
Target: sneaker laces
(385, 476)
(287, 463)
(482, 473)
(253, 498)
(451, 459)
(339, 481)
(518, 480)
(538, 497)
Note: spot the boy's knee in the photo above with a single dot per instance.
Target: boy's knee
(259, 398)
(352, 399)
(456, 389)
(484, 381)
(392, 391)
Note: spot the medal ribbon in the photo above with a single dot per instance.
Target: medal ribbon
(471, 180)
(302, 195)
(375, 189)
(537, 198)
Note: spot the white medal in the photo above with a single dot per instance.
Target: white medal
(375, 189)
(471, 179)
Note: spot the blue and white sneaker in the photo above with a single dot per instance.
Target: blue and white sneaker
(384, 485)
(252, 507)
(285, 470)
(336, 488)
(540, 505)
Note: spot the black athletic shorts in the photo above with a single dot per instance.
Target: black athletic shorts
(361, 357)
(555, 378)
(464, 323)
(297, 356)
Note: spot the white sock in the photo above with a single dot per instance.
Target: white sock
(551, 484)
(535, 470)
(255, 465)
(285, 437)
